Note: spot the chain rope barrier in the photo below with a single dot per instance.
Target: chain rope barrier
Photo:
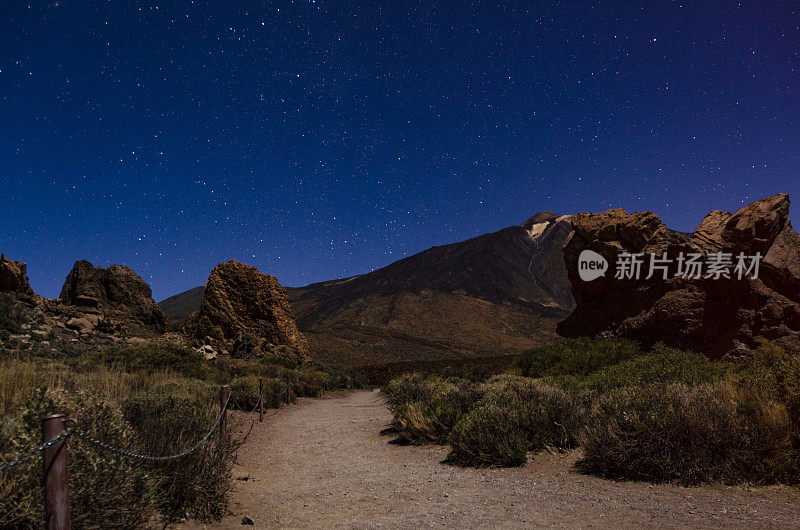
(5, 466)
(103, 445)
(152, 458)
(33, 452)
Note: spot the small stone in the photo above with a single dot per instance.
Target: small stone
(247, 521)
(81, 325)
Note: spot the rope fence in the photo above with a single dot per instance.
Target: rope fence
(152, 458)
(56, 433)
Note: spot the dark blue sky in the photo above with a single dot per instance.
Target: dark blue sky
(318, 139)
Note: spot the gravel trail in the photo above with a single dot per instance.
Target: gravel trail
(322, 463)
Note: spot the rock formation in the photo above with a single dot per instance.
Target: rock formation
(246, 313)
(14, 278)
(713, 316)
(116, 290)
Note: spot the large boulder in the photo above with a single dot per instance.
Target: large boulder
(715, 316)
(13, 277)
(116, 289)
(247, 313)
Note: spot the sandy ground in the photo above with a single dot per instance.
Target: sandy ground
(322, 463)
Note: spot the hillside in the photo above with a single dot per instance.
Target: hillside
(179, 307)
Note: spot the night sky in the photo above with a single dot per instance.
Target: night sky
(317, 139)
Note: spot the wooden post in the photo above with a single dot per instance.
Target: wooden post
(223, 435)
(56, 474)
(260, 399)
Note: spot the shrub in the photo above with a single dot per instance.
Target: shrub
(276, 392)
(106, 490)
(689, 435)
(774, 375)
(193, 486)
(578, 357)
(245, 391)
(516, 415)
(492, 434)
(311, 381)
(154, 357)
(427, 407)
(661, 365)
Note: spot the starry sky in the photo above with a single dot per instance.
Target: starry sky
(322, 139)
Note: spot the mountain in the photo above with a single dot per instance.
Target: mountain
(179, 307)
(491, 295)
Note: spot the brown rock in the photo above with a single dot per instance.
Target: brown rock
(81, 325)
(117, 288)
(715, 317)
(755, 227)
(13, 277)
(248, 313)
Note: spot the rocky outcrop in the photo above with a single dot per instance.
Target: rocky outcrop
(116, 291)
(14, 278)
(714, 316)
(246, 313)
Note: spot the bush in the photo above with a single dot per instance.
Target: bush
(492, 434)
(427, 407)
(133, 397)
(516, 415)
(196, 485)
(689, 435)
(577, 357)
(311, 381)
(106, 490)
(245, 391)
(155, 357)
(661, 365)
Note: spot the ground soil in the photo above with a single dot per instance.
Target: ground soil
(323, 463)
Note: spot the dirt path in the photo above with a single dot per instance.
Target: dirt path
(322, 463)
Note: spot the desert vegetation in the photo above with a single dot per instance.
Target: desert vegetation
(156, 399)
(663, 415)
